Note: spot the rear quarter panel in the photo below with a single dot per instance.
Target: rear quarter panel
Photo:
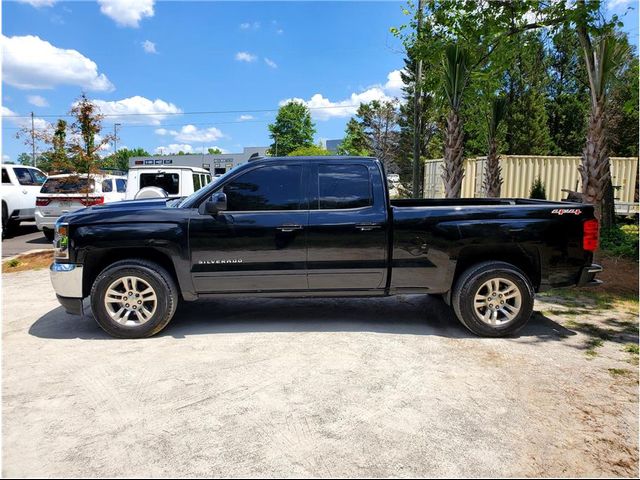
(431, 245)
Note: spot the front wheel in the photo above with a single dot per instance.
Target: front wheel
(493, 299)
(133, 299)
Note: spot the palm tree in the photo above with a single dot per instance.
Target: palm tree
(601, 57)
(493, 172)
(456, 75)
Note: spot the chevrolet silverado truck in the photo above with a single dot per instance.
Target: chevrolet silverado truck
(308, 227)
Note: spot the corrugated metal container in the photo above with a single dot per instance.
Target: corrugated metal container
(520, 171)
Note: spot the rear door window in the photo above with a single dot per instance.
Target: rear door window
(343, 186)
(196, 182)
(72, 184)
(169, 182)
(26, 176)
(121, 185)
(5, 176)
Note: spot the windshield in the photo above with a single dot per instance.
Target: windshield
(211, 186)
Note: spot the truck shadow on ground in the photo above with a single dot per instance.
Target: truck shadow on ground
(410, 315)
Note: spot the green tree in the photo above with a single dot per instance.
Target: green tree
(355, 140)
(120, 160)
(493, 172)
(379, 122)
(24, 159)
(214, 151)
(312, 151)
(85, 140)
(623, 107)
(455, 78)
(292, 129)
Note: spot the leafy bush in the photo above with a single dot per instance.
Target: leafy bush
(538, 190)
(620, 241)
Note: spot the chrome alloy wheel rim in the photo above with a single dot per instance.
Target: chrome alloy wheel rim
(497, 301)
(130, 301)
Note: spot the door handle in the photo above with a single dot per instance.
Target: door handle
(367, 227)
(289, 228)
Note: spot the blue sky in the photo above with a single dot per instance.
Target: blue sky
(171, 58)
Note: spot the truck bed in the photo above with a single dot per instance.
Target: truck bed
(468, 202)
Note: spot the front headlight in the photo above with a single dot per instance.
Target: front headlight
(61, 241)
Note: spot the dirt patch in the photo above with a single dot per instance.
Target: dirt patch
(31, 261)
(620, 276)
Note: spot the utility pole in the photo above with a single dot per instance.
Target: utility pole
(416, 109)
(115, 138)
(33, 140)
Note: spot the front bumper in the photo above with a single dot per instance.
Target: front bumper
(66, 279)
(588, 274)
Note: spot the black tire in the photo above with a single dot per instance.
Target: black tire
(48, 233)
(468, 285)
(156, 277)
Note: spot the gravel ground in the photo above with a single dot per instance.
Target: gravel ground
(318, 387)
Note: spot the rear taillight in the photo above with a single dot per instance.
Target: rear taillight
(590, 235)
(89, 201)
(42, 202)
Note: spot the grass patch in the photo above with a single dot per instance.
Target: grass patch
(620, 241)
(619, 372)
(632, 348)
(33, 261)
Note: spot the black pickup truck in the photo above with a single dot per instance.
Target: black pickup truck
(301, 226)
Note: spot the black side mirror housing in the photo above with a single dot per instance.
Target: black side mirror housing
(217, 203)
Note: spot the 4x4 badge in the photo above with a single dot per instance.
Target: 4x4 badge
(562, 211)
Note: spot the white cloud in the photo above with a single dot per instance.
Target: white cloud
(38, 3)
(5, 158)
(174, 148)
(324, 109)
(250, 26)
(37, 100)
(245, 57)
(149, 47)
(191, 133)
(270, 62)
(127, 13)
(7, 112)
(24, 122)
(612, 4)
(31, 63)
(279, 31)
(154, 110)
(394, 83)
(244, 118)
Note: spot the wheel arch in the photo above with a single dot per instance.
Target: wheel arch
(96, 261)
(527, 260)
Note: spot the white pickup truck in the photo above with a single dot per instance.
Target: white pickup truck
(20, 186)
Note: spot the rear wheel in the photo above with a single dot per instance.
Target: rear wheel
(133, 299)
(493, 299)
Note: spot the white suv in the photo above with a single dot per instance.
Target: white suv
(20, 186)
(66, 193)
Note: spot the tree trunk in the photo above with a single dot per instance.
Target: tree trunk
(453, 169)
(595, 169)
(492, 172)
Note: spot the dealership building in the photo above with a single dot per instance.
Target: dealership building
(217, 164)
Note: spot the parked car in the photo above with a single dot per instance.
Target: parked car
(301, 227)
(20, 186)
(66, 193)
(148, 181)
